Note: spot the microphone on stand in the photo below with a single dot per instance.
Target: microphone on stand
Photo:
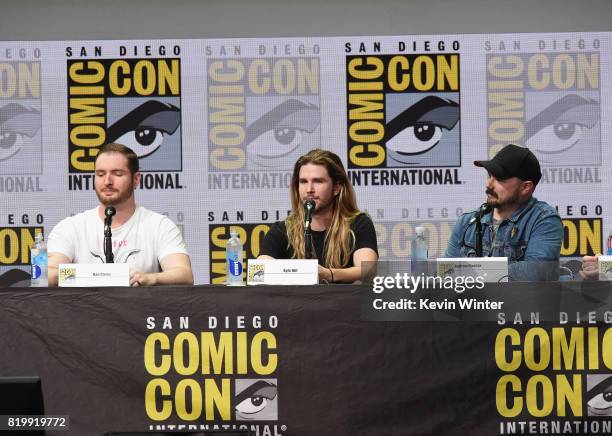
(484, 209)
(109, 213)
(309, 206)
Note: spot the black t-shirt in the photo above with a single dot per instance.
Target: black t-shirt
(276, 243)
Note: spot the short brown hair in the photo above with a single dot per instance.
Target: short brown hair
(132, 158)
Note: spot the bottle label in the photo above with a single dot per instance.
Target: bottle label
(36, 271)
(235, 267)
(41, 259)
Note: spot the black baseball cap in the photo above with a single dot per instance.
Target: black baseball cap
(513, 161)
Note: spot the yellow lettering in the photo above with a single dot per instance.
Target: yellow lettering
(149, 354)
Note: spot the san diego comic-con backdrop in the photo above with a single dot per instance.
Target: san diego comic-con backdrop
(218, 124)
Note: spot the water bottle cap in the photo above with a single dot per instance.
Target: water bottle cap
(420, 230)
(39, 237)
(233, 233)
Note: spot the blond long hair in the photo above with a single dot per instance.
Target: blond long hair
(339, 239)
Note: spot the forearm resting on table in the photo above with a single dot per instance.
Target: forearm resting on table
(340, 275)
(55, 259)
(176, 270)
(350, 274)
(343, 275)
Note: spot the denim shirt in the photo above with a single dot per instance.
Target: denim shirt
(530, 239)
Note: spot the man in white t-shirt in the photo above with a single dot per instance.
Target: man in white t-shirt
(150, 243)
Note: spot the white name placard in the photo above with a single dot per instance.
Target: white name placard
(83, 275)
(491, 269)
(605, 267)
(283, 272)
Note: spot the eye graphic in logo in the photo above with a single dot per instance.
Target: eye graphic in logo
(565, 132)
(143, 128)
(14, 277)
(17, 124)
(256, 400)
(279, 136)
(420, 128)
(599, 395)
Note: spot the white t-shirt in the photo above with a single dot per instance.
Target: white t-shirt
(142, 241)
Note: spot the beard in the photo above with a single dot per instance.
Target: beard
(497, 204)
(118, 199)
(493, 202)
(323, 207)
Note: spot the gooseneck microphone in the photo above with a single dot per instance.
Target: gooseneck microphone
(484, 209)
(309, 206)
(109, 213)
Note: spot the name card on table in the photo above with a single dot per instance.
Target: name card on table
(491, 269)
(83, 275)
(605, 268)
(283, 272)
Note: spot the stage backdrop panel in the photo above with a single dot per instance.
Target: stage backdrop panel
(219, 123)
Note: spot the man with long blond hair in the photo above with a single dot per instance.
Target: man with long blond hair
(342, 236)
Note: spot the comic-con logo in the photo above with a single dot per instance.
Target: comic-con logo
(20, 121)
(403, 111)
(394, 241)
(251, 235)
(551, 103)
(222, 372)
(395, 238)
(581, 237)
(134, 102)
(263, 113)
(554, 377)
(15, 245)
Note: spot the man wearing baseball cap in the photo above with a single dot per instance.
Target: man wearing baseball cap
(514, 223)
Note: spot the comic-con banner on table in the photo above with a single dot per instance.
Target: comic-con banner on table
(305, 360)
(219, 123)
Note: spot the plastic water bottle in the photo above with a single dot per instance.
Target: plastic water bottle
(419, 252)
(39, 262)
(609, 251)
(233, 260)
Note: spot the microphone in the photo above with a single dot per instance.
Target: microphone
(109, 212)
(309, 206)
(484, 209)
